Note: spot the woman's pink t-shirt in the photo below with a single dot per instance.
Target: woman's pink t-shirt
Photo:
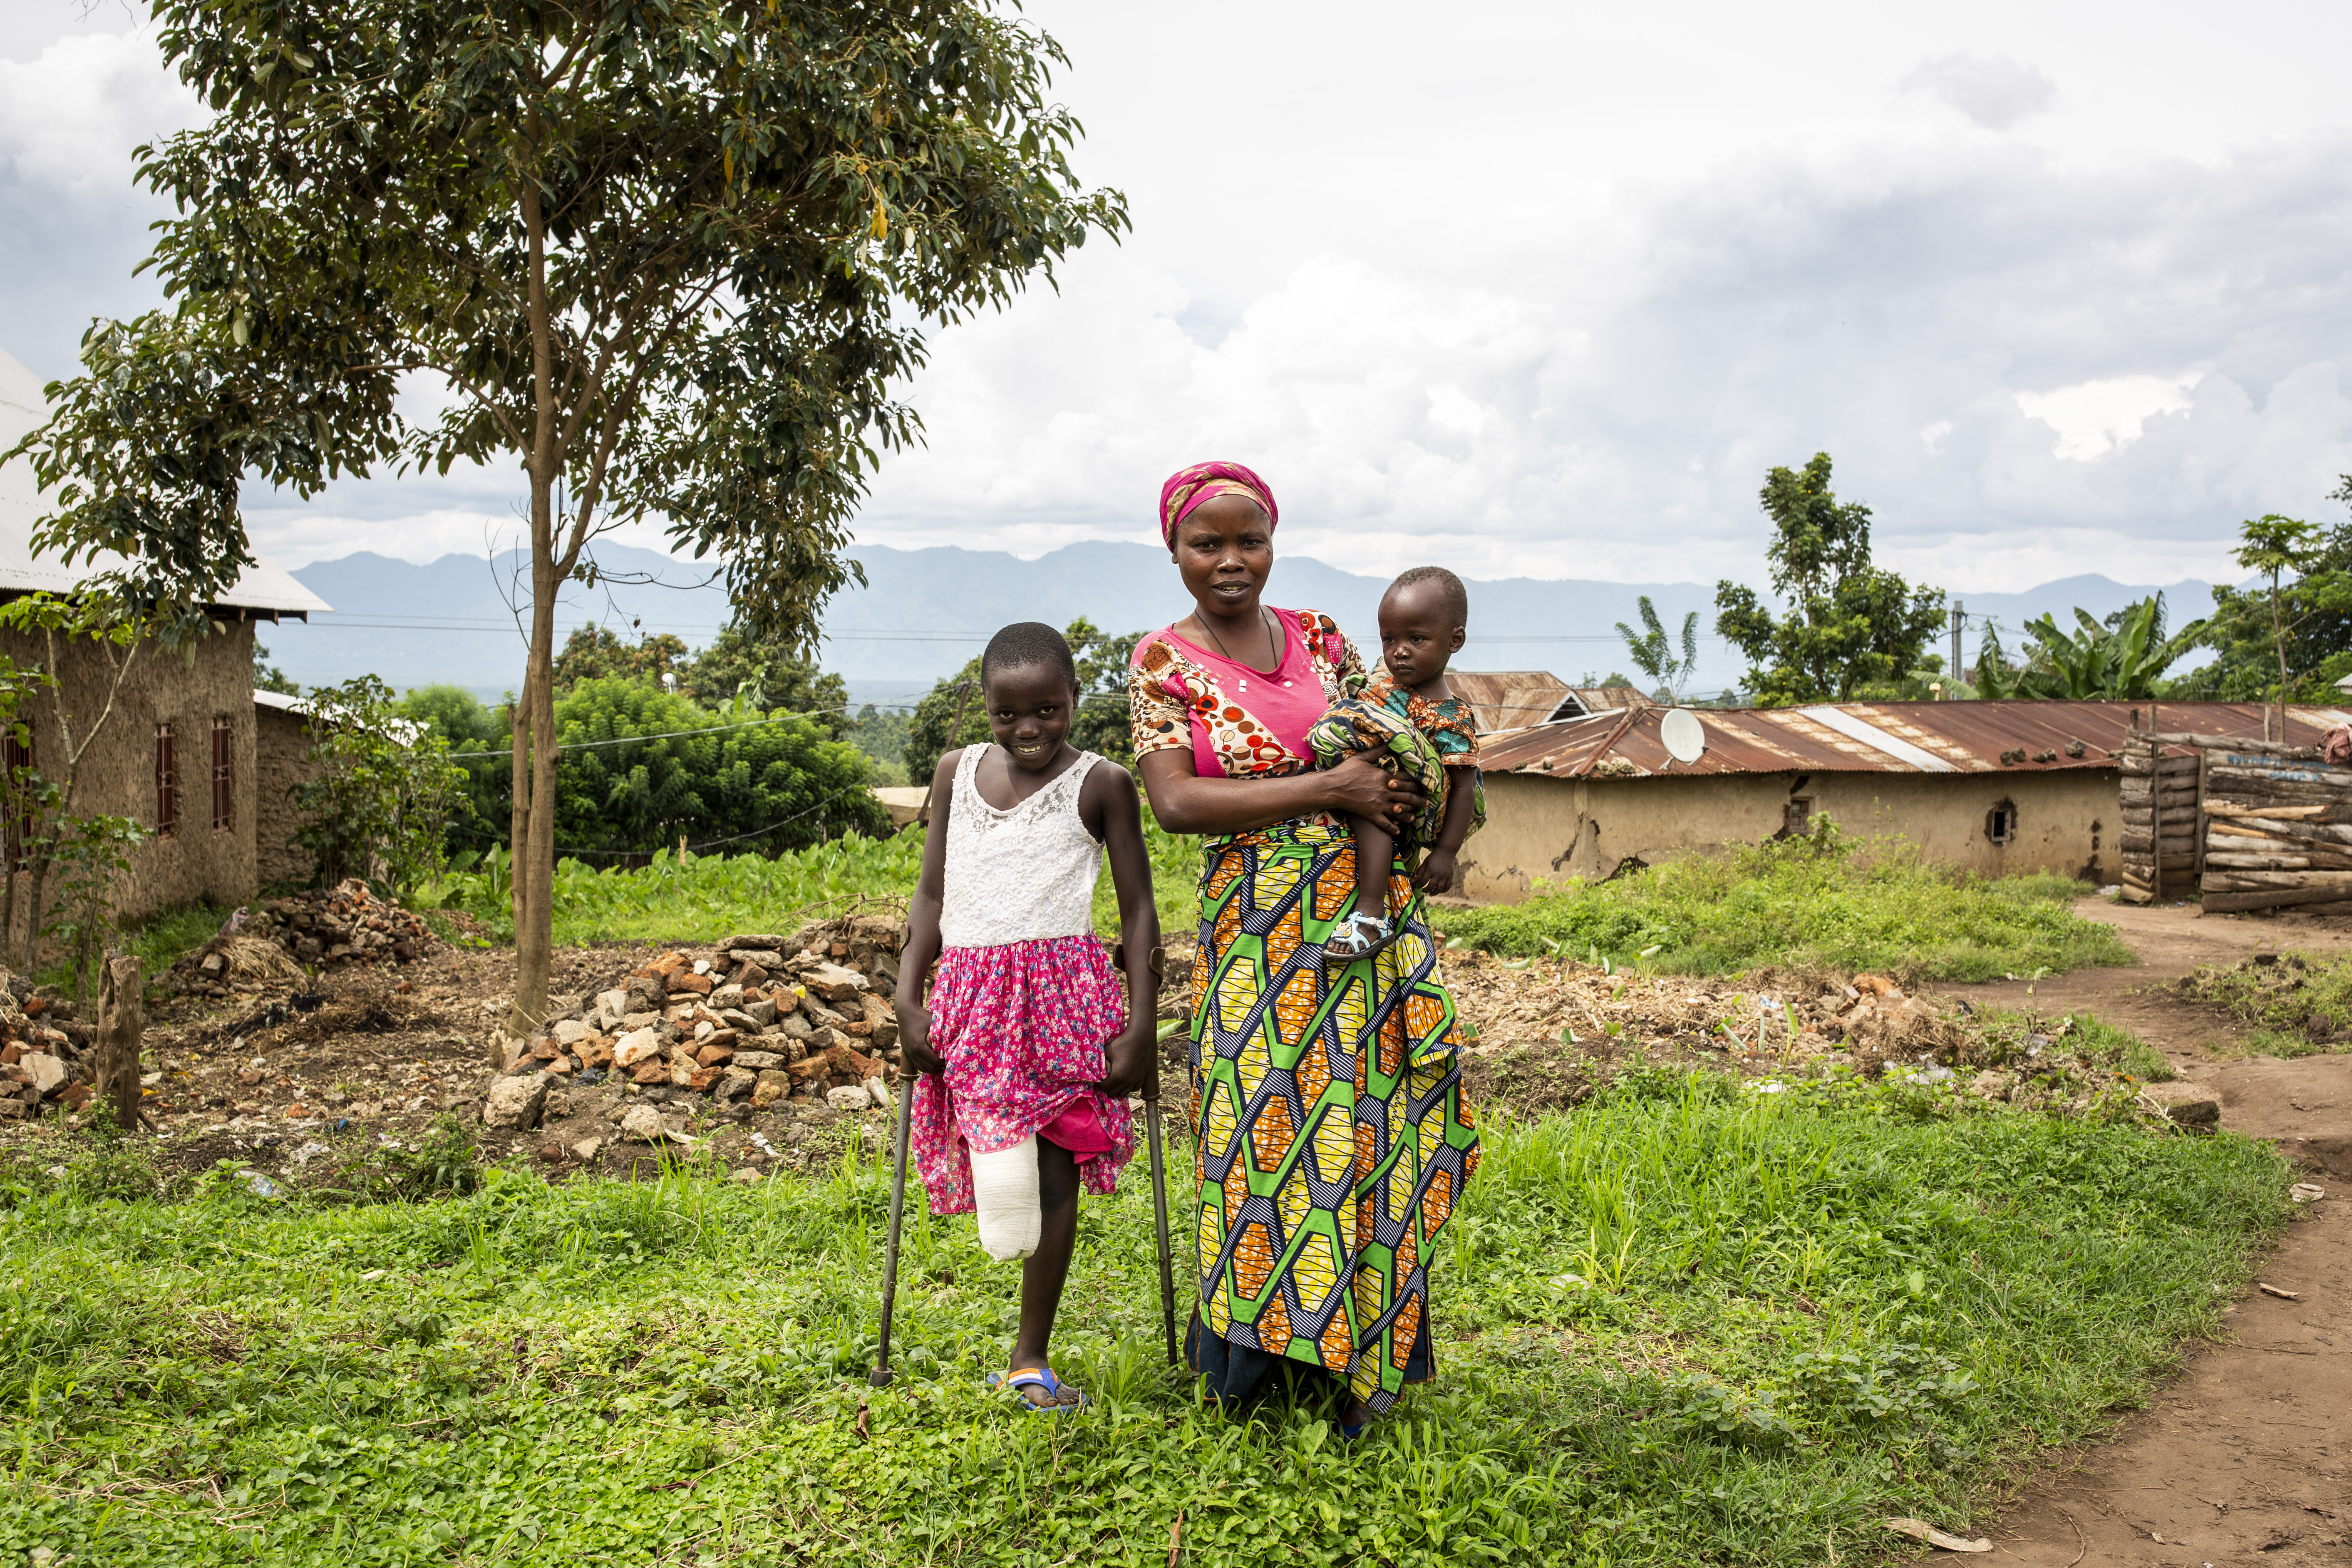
(1285, 703)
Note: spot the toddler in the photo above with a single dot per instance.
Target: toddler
(1029, 1042)
(1408, 716)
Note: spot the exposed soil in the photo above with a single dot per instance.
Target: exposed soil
(2247, 1457)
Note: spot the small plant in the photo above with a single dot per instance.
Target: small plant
(380, 807)
(93, 861)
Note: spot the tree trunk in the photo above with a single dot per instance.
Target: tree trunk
(535, 841)
(121, 1019)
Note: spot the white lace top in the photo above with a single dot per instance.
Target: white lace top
(1023, 875)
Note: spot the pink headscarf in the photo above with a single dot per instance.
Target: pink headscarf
(1189, 488)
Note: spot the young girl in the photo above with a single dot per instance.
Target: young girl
(1027, 1047)
(1408, 716)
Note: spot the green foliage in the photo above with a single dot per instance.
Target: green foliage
(1819, 900)
(2290, 635)
(1868, 1315)
(881, 734)
(385, 790)
(771, 782)
(690, 896)
(949, 715)
(597, 653)
(674, 259)
(93, 862)
(1848, 623)
(765, 672)
(2298, 1002)
(1654, 654)
(480, 743)
(2121, 658)
(267, 677)
(1100, 724)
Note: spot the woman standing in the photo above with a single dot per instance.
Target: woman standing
(1332, 1140)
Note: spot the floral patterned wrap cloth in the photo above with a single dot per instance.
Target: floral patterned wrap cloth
(1414, 739)
(1022, 1027)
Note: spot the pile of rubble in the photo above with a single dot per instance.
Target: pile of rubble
(46, 1056)
(342, 924)
(755, 1020)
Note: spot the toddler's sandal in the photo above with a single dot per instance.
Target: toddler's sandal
(1059, 1396)
(1359, 936)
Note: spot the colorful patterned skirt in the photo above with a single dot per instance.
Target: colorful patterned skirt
(1332, 1140)
(1022, 1027)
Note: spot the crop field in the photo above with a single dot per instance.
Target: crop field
(1690, 1322)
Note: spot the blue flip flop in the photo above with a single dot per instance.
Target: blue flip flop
(1040, 1378)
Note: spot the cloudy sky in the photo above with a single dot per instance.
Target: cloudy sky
(1544, 290)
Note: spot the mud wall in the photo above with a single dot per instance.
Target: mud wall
(188, 689)
(1540, 829)
(280, 742)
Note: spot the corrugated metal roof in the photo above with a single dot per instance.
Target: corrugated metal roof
(1514, 698)
(22, 407)
(1880, 737)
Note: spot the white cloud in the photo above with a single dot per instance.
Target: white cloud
(2094, 417)
(1994, 90)
(69, 119)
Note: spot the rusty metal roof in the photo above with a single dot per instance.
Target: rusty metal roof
(1515, 699)
(1880, 737)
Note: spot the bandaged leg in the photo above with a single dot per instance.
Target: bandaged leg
(1005, 1195)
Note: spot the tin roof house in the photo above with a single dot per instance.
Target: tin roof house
(1995, 786)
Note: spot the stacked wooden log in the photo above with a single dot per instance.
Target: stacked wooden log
(2279, 830)
(2159, 823)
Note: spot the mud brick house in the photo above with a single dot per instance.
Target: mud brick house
(177, 752)
(1997, 787)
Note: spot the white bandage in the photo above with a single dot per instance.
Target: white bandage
(1004, 1193)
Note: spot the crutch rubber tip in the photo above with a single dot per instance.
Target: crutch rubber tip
(880, 1377)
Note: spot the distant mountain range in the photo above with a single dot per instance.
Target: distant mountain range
(923, 612)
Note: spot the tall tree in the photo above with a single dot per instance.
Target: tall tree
(2301, 621)
(1848, 623)
(1654, 654)
(769, 672)
(669, 262)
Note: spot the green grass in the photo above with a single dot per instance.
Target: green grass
(1687, 1325)
(1887, 909)
(701, 897)
(2298, 1004)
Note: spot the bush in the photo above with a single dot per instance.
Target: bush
(758, 783)
(381, 804)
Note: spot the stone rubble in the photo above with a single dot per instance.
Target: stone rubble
(48, 1057)
(753, 1021)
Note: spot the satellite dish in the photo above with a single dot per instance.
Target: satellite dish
(1684, 738)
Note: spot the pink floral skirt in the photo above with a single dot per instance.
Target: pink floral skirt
(1021, 1028)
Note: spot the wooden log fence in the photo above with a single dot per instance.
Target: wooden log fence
(2246, 824)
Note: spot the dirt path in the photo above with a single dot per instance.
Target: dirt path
(2247, 1458)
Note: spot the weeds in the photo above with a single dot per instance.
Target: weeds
(2297, 1004)
(1823, 903)
(1690, 1323)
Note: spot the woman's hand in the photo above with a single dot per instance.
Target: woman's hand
(1359, 786)
(1128, 1058)
(915, 1039)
